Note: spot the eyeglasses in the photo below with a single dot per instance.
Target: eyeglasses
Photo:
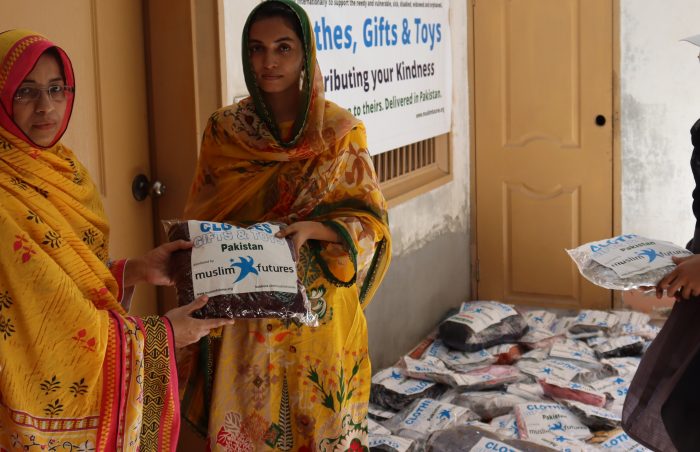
(57, 93)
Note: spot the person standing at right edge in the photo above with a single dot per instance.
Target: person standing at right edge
(662, 407)
(694, 244)
(286, 154)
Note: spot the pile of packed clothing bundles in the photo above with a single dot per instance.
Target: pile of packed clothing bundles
(492, 378)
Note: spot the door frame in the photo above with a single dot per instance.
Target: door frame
(616, 145)
(184, 85)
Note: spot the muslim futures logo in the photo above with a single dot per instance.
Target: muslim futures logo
(245, 266)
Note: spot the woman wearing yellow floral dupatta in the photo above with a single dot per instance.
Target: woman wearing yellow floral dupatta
(76, 373)
(286, 154)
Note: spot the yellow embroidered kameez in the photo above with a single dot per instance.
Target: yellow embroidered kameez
(268, 384)
(76, 373)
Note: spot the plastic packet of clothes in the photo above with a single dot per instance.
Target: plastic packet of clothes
(561, 325)
(433, 369)
(379, 413)
(629, 319)
(560, 442)
(566, 370)
(621, 346)
(425, 416)
(390, 443)
(576, 351)
(482, 324)
(246, 272)
(596, 418)
(536, 420)
(381, 439)
(627, 261)
(463, 438)
(506, 353)
(564, 390)
(468, 438)
(539, 338)
(529, 391)
(622, 442)
(592, 322)
(540, 319)
(537, 354)
(616, 388)
(391, 389)
(375, 428)
(488, 404)
(506, 426)
(626, 365)
(458, 360)
(634, 323)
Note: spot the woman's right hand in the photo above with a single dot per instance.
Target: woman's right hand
(683, 281)
(188, 330)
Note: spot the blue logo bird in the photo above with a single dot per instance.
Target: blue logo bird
(556, 426)
(650, 253)
(246, 266)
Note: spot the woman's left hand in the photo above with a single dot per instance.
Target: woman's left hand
(152, 267)
(301, 231)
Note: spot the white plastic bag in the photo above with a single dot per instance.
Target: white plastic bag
(627, 261)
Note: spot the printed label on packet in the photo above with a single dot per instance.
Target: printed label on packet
(626, 365)
(431, 415)
(575, 350)
(623, 442)
(491, 445)
(635, 255)
(540, 319)
(455, 357)
(618, 342)
(392, 379)
(397, 443)
(550, 367)
(506, 426)
(617, 387)
(479, 315)
(590, 410)
(228, 260)
(541, 419)
(583, 388)
(600, 319)
(632, 317)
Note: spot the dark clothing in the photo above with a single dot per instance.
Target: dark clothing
(694, 244)
(662, 408)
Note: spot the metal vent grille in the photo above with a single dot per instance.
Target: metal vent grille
(403, 161)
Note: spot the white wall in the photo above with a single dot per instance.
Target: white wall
(660, 97)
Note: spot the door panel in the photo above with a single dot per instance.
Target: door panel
(543, 73)
(109, 128)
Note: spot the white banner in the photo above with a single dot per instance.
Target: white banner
(389, 63)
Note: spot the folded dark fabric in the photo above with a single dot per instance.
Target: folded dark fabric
(662, 408)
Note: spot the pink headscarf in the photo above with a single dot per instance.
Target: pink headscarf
(19, 52)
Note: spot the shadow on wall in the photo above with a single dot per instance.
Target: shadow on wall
(418, 290)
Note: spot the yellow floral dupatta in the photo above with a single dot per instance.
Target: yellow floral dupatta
(273, 384)
(75, 372)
